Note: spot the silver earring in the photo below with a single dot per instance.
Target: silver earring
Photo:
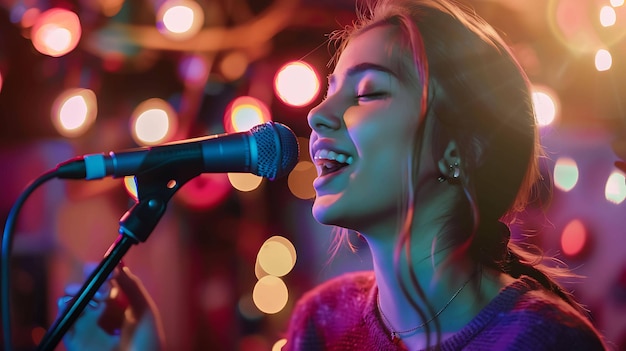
(455, 170)
(454, 173)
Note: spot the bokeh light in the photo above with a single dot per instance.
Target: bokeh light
(193, 70)
(17, 12)
(574, 238)
(56, 32)
(297, 83)
(300, 180)
(245, 181)
(245, 112)
(277, 256)
(153, 121)
(573, 23)
(110, 8)
(565, 173)
(604, 60)
(233, 65)
(278, 345)
(74, 111)
(258, 270)
(180, 19)
(615, 189)
(617, 3)
(205, 191)
(29, 17)
(546, 105)
(607, 16)
(130, 184)
(270, 294)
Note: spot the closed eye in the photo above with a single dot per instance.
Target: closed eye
(371, 96)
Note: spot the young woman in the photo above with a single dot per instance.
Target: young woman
(426, 146)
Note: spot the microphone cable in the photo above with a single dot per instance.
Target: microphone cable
(7, 245)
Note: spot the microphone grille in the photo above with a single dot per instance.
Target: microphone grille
(278, 149)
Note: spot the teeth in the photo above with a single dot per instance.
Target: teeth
(329, 155)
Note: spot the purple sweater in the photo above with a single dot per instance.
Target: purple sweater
(341, 314)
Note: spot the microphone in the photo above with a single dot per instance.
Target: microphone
(268, 150)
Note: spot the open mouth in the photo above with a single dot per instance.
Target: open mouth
(331, 161)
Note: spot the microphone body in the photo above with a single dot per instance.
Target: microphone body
(269, 150)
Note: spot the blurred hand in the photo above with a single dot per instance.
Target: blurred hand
(121, 316)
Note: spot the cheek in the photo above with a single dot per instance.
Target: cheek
(386, 145)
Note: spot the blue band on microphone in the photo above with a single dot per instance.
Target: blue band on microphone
(94, 166)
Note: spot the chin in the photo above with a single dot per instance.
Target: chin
(330, 215)
(326, 213)
(321, 215)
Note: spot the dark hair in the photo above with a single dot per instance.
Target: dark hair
(475, 93)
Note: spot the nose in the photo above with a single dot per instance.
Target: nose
(325, 116)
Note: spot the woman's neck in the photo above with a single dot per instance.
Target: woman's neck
(451, 292)
(436, 279)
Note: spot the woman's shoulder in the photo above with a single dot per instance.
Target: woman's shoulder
(347, 294)
(527, 316)
(325, 313)
(535, 314)
(528, 296)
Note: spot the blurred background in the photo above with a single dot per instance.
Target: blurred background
(234, 251)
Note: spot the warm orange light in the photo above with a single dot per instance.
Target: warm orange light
(572, 24)
(278, 345)
(270, 294)
(56, 32)
(245, 112)
(180, 19)
(300, 180)
(29, 17)
(545, 102)
(608, 17)
(153, 121)
(604, 60)
(234, 65)
(245, 181)
(297, 83)
(130, 184)
(74, 112)
(110, 8)
(277, 256)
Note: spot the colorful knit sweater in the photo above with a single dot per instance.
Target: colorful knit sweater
(341, 314)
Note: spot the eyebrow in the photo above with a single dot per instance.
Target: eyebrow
(363, 67)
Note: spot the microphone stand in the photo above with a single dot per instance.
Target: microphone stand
(154, 189)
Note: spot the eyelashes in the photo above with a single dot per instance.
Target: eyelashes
(371, 96)
(366, 96)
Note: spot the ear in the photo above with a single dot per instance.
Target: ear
(450, 162)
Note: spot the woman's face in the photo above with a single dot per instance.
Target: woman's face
(362, 135)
